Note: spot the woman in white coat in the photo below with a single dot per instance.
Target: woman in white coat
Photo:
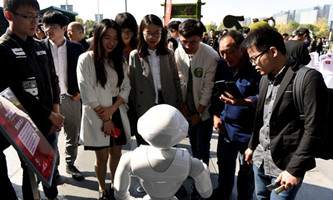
(104, 87)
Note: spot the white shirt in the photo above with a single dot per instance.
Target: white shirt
(154, 63)
(59, 55)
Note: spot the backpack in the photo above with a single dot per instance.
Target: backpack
(325, 150)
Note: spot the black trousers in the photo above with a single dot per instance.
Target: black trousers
(6, 190)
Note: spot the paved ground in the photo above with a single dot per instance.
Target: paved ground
(318, 183)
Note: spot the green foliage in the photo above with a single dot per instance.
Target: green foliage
(89, 24)
(293, 25)
(212, 25)
(320, 28)
(323, 27)
(221, 27)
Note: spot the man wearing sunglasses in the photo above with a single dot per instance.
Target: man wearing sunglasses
(282, 145)
(28, 70)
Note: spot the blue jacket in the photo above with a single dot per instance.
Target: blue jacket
(238, 120)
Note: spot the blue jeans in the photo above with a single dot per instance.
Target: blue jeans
(227, 153)
(261, 180)
(200, 136)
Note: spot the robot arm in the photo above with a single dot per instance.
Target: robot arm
(201, 176)
(122, 179)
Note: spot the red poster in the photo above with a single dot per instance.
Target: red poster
(168, 7)
(23, 134)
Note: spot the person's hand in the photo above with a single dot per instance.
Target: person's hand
(57, 120)
(218, 125)
(105, 113)
(184, 111)
(194, 120)
(76, 97)
(54, 129)
(108, 127)
(288, 180)
(229, 99)
(248, 156)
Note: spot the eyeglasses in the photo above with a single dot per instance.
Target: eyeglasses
(192, 43)
(49, 28)
(150, 35)
(28, 17)
(254, 59)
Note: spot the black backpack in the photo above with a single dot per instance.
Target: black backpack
(325, 150)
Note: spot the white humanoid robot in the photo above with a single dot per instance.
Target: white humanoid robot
(160, 167)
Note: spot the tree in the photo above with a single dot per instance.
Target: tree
(293, 25)
(287, 28)
(221, 27)
(210, 26)
(323, 28)
(88, 26)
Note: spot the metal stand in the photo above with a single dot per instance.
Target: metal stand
(34, 184)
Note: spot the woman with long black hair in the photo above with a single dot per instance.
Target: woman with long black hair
(105, 88)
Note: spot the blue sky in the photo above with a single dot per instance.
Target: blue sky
(212, 11)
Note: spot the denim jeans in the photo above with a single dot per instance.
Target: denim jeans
(261, 180)
(227, 152)
(200, 136)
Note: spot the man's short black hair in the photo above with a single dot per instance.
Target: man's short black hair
(236, 36)
(174, 25)
(13, 5)
(264, 38)
(191, 27)
(55, 17)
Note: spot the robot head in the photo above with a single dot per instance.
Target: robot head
(163, 126)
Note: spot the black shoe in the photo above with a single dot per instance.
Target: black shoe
(195, 195)
(181, 192)
(103, 195)
(76, 174)
(216, 195)
(111, 194)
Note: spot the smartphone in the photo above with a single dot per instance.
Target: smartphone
(273, 186)
(233, 90)
(116, 132)
(221, 87)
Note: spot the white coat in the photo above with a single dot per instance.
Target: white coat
(91, 125)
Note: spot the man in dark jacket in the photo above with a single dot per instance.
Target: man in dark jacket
(75, 33)
(212, 40)
(282, 145)
(28, 71)
(65, 55)
(233, 118)
(297, 48)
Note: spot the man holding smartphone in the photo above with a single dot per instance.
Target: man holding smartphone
(233, 116)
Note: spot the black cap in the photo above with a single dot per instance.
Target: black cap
(301, 31)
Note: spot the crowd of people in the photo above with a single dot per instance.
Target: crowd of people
(96, 90)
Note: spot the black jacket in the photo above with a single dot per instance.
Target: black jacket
(293, 142)
(21, 62)
(74, 50)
